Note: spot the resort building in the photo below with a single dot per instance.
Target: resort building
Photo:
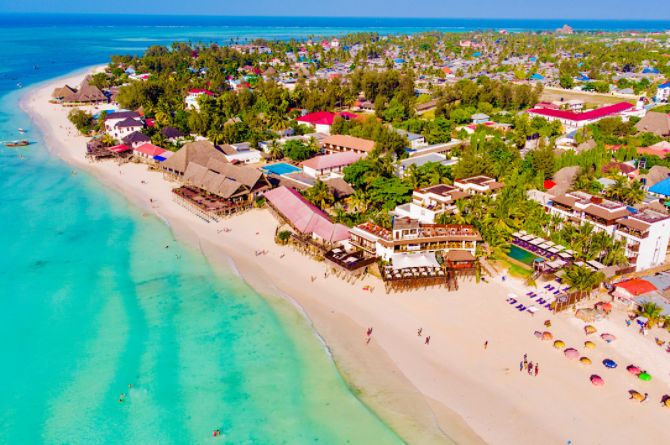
(343, 143)
(572, 120)
(330, 164)
(429, 202)
(321, 121)
(478, 185)
(135, 139)
(309, 223)
(120, 124)
(415, 140)
(86, 94)
(219, 188)
(199, 152)
(663, 92)
(411, 237)
(654, 122)
(646, 232)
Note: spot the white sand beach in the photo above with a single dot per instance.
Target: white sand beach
(451, 390)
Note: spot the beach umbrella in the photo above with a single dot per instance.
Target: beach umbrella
(636, 395)
(596, 380)
(607, 307)
(666, 401)
(590, 329)
(644, 376)
(589, 345)
(609, 363)
(607, 337)
(538, 334)
(585, 360)
(546, 335)
(634, 369)
(571, 353)
(559, 344)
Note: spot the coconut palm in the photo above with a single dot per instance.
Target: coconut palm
(360, 201)
(651, 311)
(275, 150)
(320, 195)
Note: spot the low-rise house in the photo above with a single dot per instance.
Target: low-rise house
(415, 140)
(663, 92)
(119, 124)
(172, 134)
(194, 95)
(478, 185)
(344, 143)
(661, 189)
(241, 153)
(329, 164)
(423, 159)
(148, 153)
(321, 121)
(429, 202)
(135, 139)
(480, 118)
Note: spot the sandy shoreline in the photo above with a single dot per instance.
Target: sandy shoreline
(450, 390)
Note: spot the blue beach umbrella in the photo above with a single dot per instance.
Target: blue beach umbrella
(609, 363)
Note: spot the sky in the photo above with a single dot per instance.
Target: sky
(521, 9)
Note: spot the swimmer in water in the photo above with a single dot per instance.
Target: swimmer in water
(122, 397)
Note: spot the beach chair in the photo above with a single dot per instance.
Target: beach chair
(541, 301)
(547, 286)
(511, 300)
(520, 307)
(532, 310)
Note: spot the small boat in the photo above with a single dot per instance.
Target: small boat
(19, 84)
(21, 143)
(22, 131)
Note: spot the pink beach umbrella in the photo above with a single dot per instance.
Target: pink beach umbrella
(571, 353)
(633, 369)
(596, 380)
(608, 337)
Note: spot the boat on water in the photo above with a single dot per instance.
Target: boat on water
(21, 143)
(22, 131)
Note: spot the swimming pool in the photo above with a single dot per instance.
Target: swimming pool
(280, 168)
(522, 255)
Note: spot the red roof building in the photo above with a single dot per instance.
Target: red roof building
(148, 151)
(572, 120)
(634, 288)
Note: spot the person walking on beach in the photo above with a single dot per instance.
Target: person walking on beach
(530, 368)
(427, 340)
(486, 344)
(369, 331)
(418, 333)
(521, 366)
(537, 369)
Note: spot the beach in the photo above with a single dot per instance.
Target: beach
(452, 390)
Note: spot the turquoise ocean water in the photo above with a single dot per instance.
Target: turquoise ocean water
(91, 301)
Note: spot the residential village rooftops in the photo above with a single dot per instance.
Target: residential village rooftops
(332, 160)
(324, 117)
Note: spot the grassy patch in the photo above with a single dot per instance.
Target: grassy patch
(662, 109)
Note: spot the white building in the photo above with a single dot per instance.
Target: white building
(241, 153)
(193, 96)
(572, 120)
(478, 185)
(122, 123)
(429, 202)
(663, 92)
(646, 232)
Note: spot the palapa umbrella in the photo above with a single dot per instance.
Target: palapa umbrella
(609, 363)
(607, 306)
(559, 344)
(590, 329)
(546, 335)
(538, 334)
(636, 395)
(571, 353)
(596, 380)
(666, 401)
(585, 360)
(607, 337)
(644, 376)
(633, 369)
(589, 345)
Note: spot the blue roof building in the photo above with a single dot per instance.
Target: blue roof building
(650, 71)
(537, 76)
(661, 188)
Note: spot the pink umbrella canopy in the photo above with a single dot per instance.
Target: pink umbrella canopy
(608, 337)
(596, 380)
(571, 353)
(634, 369)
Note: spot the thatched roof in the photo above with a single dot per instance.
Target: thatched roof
(656, 174)
(653, 122)
(211, 181)
(199, 152)
(564, 179)
(66, 93)
(244, 175)
(89, 93)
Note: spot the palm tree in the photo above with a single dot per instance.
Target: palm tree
(275, 150)
(360, 201)
(320, 195)
(582, 280)
(651, 311)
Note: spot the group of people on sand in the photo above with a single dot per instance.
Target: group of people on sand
(533, 369)
(261, 252)
(426, 341)
(225, 230)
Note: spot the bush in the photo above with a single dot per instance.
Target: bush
(81, 120)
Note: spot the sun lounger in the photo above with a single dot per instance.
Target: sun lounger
(547, 286)
(520, 307)
(541, 301)
(511, 300)
(532, 310)
(557, 292)
(529, 293)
